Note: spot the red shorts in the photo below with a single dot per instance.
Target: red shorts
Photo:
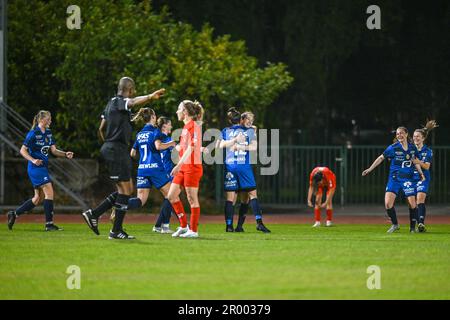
(188, 179)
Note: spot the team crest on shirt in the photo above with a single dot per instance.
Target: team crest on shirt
(407, 184)
(44, 150)
(407, 157)
(229, 176)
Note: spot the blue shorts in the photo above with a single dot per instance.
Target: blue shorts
(395, 186)
(39, 176)
(157, 180)
(422, 186)
(237, 179)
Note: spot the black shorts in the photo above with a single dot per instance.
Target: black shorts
(118, 161)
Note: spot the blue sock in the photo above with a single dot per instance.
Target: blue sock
(134, 203)
(167, 211)
(422, 212)
(25, 207)
(392, 214)
(229, 213)
(256, 210)
(48, 209)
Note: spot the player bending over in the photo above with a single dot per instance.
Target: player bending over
(319, 179)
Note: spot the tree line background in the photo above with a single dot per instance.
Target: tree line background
(310, 68)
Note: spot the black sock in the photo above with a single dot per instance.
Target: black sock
(25, 207)
(229, 213)
(422, 212)
(105, 205)
(134, 203)
(243, 209)
(166, 211)
(48, 209)
(121, 206)
(412, 218)
(392, 214)
(256, 210)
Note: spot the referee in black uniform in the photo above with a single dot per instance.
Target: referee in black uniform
(116, 153)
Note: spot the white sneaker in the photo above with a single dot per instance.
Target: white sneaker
(180, 231)
(317, 224)
(166, 229)
(329, 223)
(189, 234)
(157, 229)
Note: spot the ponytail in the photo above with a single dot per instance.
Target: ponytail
(39, 116)
(430, 125)
(144, 114)
(194, 109)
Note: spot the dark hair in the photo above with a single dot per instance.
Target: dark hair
(144, 114)
(234, 116)
(162, 121)
(317, 178)
(431, 124)
(39, 116)
(194, 109)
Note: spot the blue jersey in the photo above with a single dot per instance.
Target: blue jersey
(425, 155)
(38, 145)
(149, 158)
(402, 167)
(166, 155)
(242, 157)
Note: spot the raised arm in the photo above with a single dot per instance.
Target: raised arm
(375, 164)
(144, 99)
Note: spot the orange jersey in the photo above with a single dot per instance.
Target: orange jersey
(191, 136)
(329, 178)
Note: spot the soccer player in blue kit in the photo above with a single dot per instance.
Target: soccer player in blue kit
(151, 170)
(424, 160)
(239, 140)
(38, 142)
(401, 154)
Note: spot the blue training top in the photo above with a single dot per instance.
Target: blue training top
(166, 155)
(238, 158)
(149, 157)
(402, 167)
(425, 155)
(38, 145)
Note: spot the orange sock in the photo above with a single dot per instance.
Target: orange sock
(181, 214)
(195, 215)
(329, 214)
(317, 214)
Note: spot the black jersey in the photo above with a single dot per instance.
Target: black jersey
(118, 121)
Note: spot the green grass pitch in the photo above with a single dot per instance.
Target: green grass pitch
(293, 262)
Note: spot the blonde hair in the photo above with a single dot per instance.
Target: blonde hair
(431, 124)
(39, 116)
(144, 114)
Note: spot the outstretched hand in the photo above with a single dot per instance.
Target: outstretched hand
(365, 172)
(158, 94)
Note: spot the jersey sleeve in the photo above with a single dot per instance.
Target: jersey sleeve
(251, 135)
(389, 152)
(224, 134)
(29, 139)
(121, 103)
(429, 156)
